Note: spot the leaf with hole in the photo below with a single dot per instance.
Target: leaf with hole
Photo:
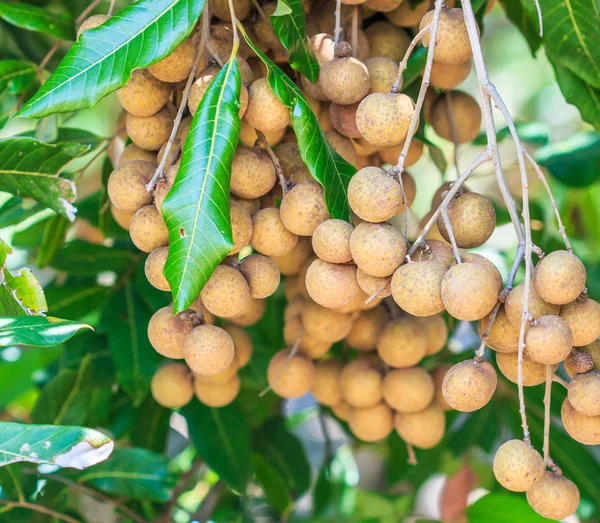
(27, 289)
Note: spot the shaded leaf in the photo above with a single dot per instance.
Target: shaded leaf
(96, 346)
(16, 210)
(519, 17)
(502, 508)
(16, 76)
(53, 238)
(271, 480)
(38, 19)
(37, 331)
(89, 70)
(80, 258)
(8, 105)
(9, 305)
(74, 301)
(72, 134)
(414, 67)
(196, 210)
(150, 425)
(27, 289)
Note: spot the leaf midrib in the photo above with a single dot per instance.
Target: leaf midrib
(580, 36)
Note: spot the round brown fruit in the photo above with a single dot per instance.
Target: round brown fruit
(133, 152)
(171, 386)
(533, 373)
(144, 95)
(387, 41)
(583, 317)
(291, 263)
(148, 230)
(391, 154)
(262, 275)
(517, 465)
(265, 112)
(548, 340)
(438, 375)
(252, 173)
(377, 248)
(331, 241)
(448, 76)
(325, 324)
(303, 209)
(176, 66)
(560, 277)
(217, 394)
(373, 195)
(473, 220)
(343, 119)
(154, 268)
(242, 344)
(326, 385)
(408, 390)
(151, 132)
(344, 80)
(405, 15)
(360, 383)
(579, 362)
(554, 496)
(402, 343)
(208, 350)
(435, 250)
(502, 336)
(342, 145)
(269, 236)
(383, 119)
(436, 331)
(582, 428)
(537, 306)
(127, 185)
(365, 330)
(372, 284)
(584, 393)
(466, 115)
(423, 429)
(331, 285)
(91, 23)
(382, 73)
(290, 376)
(469, 385)
(226, 293)
(371, 423)
(452, 44)
(416, 287)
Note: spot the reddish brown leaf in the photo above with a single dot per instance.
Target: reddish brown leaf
(454, 497)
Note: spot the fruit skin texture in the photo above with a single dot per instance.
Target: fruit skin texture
(537, 306)
(448, 76)
(583, 318)
(291, 263)
(503, 336)
(452, 44)
(262, 275)
(167, 333)
(326, 386)
(371, 284)
(554, 496)
(148, 230)
(533, 373)
(584, 393)
(560, 277)
(365, 330)
(473, 220)
(127, 185)
(325, 324)
(387, 41)
(405, 16)
(517, 465)
(241, 227)
(360, 384)
(177, 66)
(331, 241)
(383, 119)
(382, 73)
(402, 343)
(371, 423)
(144, 95)
(242, 344)
(133, 152)
(469, 385)
(171, 386)
(331, 285)
(377, 248)
(226, 292)
(303, 209)
(466, 114)
(344, 80)
(417, 287)
(208, 350)
(252, 173)
(579, 362)
(582, 428)
(373, 195)
(438, 378)
(151, 132)
(217, 394)
(408, 390)
(265, 112)
(342, 145)
(343, 119)
(549, 340)
(436, 331)
(423, 429)
(154, 266)
(290, 379)
(269, 236)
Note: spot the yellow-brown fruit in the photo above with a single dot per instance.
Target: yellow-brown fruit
(383, 6)
(359, 303)
(436, 250)
(374, 195)
(251, 206)
(217, 394)
(469, 291)
(252, 173)
(323, 46)
(371, 423)
(154, 267)
(579, 362)
(171, 386)
(533, 373)
(242, 344)
(372, 284)
(133, 152)
(265, 112)
(290, 160)
(290, 377)
(537, 306)
(151, 132)
(360, 383)
(391, 154)
(263, 28)
(452, 44)
(331, 285)
(343, 119)
(406, 16)
(344, 80)
(377, 248)
(469, 385)
(91, 23)
(466, 114)
(402, 343)
(241, 227)
(331, 241)
(582, 428)
(122, 218)
(325, 324)
(442, 191)
(314, 91)
(290, 264)
(127, 185)
(226, 292)
(387, 40)
(174, 157)
(382, 73)
(326, 385)
(201, 85)
(424, 429)
(269, 236)
(583, 318)
(342, 410)
(342, 145)
(584, 393)
(148, 229)
(303, 208)
(262, 275)
(408, 390)
(553, 496)
(220, 9)
(473, 220)
(471, 257)
(549, 340)
(144, 95)
(436, 331)
(248, 135)
(560, 277)
(177, 66)
(449, 76)
(417, 287)
(383, 119)
(208, 350)
(517, 465)
(503, 336)
(365, 330)
(251, 314)
(167, 333)
(438, 375)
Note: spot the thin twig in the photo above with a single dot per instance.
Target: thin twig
(291, 355)
(260, 11)
(39, 508)
(556, 378)
(491, 320)
(338, 23)
(45, 60)
(285, 185)
(355, 31)
(547, 401)
(450, 232)
(515, 267)
(214, 54)
(378, 291)
(397, 85)
(111, 9)
(412, 457)
(328, 454)
(452, 124)
(86, 12)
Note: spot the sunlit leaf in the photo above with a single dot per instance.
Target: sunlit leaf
(27, 289)
(501, 507)
(36, 331)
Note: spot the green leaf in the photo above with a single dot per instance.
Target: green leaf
(279, 498)
(289, 22)
(499, 507)
(8, 105)
(27, 290)
(16, 76)
(222, 438)
(133, 473)
(80, 258)
(326, 166)
(53, 238)
(519, 17)
(38, 19)
(74, 301)
(196, 209)
(15, 211)
(9, 305)
(73, 447)
(37, 331)
(150, 425)
(5, 250)
(136, 37)
(71, 134)
(414, 67)
(29, 168)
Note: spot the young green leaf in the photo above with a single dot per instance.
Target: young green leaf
(501, 507)
(27, 290)
(326, 166)
(38, 19)
(31, 168)
(5, 250)
(37, 331)
(16, 76)
(289, 22)
(196, 209)
(74, 447)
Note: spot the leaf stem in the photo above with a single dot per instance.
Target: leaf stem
(285, 185)
(338, 23)
(547, 401)
(450, 231)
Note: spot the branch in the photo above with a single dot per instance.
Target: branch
(86, 12)
(209, 504)
(285, 185)
(182, 486)
(452, 123)
(557, 379)
(450, 231)
(38, 508)
(338, 24)
(397, 85)
(547, 401)
(111, 8)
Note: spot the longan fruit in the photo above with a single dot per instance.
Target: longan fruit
(326, 385)
(405, 15)
(148, 230)
(208, 350)
(171, 386)
(382, 73)
(265, 112)
(127, 185)
(469, 385)
(582, 428)
(371, 284)
(270, 236)
(417, 287)
(517, 465)
(387, 40)
(424, 429)
(201, 85)
(473, 220)
(436, 250)
(391, 154)
(537, 306)
(167, 333)
(226, 293)
(325, 324)
(359, 303)
(144, 95)
(553, 496)
(452, 44)
(360, 384)
(371, 423)
(466, 114)
(241, 227)
(533, 373)
(154, 267)
(343, 119)
(374, 195)
(377, 248)
(253, 312)
(408, 390)
(342, 410)
(151, 132)
(174, 157)
(176, 66)
(290, 377)
(331, 285)
(469, 291)
(560, 277)
(290, 160)
(248, 135)
(262, 275)
(548, 340)
(252, 173)
(303, 208)
(220, 9)
(217, 394)
(242, 344)
(584, 393)
(434, 233)
(383, 6)
(364, 148)
(471, 257)
(290, 263)
(583, 318)
(436, 331)
(323, 47)
(342, 145)
(344, 80)
(448, 76)
(313, 90)
(365, 330)
(331, 241)
(133, 152)
(580, 362)
(122, 218)
(503, 336)
(383, 119)
(402, 343)
(91, 23)
(438, 375)
(251, 205)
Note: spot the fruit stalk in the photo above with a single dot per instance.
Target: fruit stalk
(397, 86)
(547, 401)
